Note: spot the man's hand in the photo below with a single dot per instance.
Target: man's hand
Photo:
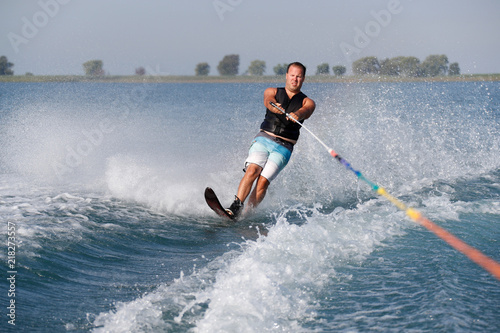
(289, 116)
(276, 110)
(293, 116)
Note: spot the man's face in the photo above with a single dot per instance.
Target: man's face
(294, 79)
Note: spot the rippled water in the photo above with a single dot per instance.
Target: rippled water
(104, 183)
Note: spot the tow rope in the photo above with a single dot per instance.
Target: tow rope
(472, 253)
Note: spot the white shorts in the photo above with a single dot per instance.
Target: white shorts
(269, 154)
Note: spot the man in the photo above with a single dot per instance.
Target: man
(272, 147)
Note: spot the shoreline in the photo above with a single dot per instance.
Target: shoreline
(241, 79)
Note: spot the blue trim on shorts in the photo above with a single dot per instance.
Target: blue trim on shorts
(272, 146)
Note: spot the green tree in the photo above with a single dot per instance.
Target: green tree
(409, 66)
(280, 69)
(5, 66)
(389, 67)
(202, 69)
(229, 65)
(93, 68)
(257, 67)
(454, 69)
(323, 69)
(400, 66)
(435, 65)
(339, 70)
(366, 65)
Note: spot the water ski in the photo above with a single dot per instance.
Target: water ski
(214, 203)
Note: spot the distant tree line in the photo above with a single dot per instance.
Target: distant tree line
(433, 65)
(229, 66)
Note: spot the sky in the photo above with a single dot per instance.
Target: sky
(170, 37)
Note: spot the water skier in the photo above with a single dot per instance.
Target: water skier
(273, 145)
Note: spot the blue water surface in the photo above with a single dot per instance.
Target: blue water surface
(102, 185)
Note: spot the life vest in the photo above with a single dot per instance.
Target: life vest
(278, 123)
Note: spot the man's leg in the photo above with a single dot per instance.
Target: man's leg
(251, 174)
(258, 193)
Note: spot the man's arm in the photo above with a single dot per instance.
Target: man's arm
(270, 96)
(305, 111)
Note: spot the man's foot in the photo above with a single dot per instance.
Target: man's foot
(235, 209)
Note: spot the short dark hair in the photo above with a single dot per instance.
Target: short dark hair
(297, 64)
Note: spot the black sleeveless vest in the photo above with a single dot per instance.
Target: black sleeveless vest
(277, 123)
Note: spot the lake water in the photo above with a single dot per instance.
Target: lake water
(101, 186)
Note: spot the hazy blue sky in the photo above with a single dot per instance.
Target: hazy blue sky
(172, 36)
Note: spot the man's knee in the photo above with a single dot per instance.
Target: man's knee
(262, 183)
(253, 170)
